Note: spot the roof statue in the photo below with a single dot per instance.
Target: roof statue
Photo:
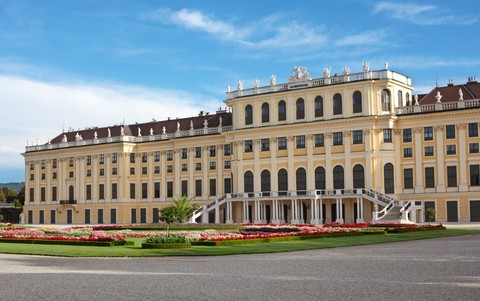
(122, 131)
(109, 133)
(366, 66)
(64, 138)
(438, 96)
(78, 137)
(220, 120)
(95, 135)
(346, 70)
(326, 72)
(164, 130)
(256, 83)
(205, 124)
(228, 88)
(151, 131)
(191, 124)
(460, 94)
(273, 80)
(386, 65)
(416, 99)
(139, 132)
(240, 85)
(299, 73)
(178, 126)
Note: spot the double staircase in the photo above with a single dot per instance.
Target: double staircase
(393, 210)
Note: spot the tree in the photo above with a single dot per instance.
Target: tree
(185, 208)
(430, 214)
(3, 198)
(169, 214)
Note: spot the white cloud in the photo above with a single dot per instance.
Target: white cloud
(37, 110)
(364, 38)
(422, 14)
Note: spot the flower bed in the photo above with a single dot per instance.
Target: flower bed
(412, 229)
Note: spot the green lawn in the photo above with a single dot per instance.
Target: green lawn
(284, 246)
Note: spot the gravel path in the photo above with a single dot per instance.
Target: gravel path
(433, 269)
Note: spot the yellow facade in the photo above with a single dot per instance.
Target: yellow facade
(281, 155)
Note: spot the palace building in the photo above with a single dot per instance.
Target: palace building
(349, 148)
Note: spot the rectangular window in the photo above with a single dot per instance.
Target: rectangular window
(114, 191)
(451, 149)
(114, 171)
(102, 171)
(387, 135)
(451, 176)
(169, 189)
(70, 162)
(132, 190)
(42, 194)
(156, 169)
(473, 129)
(282, 143)
(144, 157)
(42, 164)
(70, 174)
(213, 187)
(169, 168)
(132, 170)
(32, 165)
(156, 190)
(169, 155)
(212, 151)
(32, 177)
(100, 216)
(184, 187)
(43, 176)
(132, 157)
(54, 163)
(88, 192)
(248, 146)
(474, 175)
(357, 137)
(319, 140)
(198, 187)
(407, 152)
(54, 175)
(300, 141)
(407, 135)
(184, 153)
(428, 133)
(429, 151)
(114, 158)
(184, 167)
(337, 138)
(87, 216)
(227, 164)
(265, 145)
(450, 131)
(32, 194)
(198, 152)
(198, 166)
(156, 156)
(101, 191)
(89, 172)
(102, 159)
(429, 177)
(213, 165)
(227, 185)
(473, 148)
(54, 193)
(144, 190)
(227, 149)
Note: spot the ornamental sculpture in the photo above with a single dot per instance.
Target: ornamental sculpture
(299, 74)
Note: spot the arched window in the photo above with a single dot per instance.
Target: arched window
(358, 176)
(320, 178)
(282, 111)
(248, 115)
(318, 106)
(301, 181)
(388, 178)
(300, 108)
(265, 182)
(357, 102)
(338, 177)
(265, 112)
(282, 182)
(385, 100)
(71, 193)
(400, 99)
(248, 181)
(407, 99)
(337, 104)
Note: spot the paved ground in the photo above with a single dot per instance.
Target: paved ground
(433, 269)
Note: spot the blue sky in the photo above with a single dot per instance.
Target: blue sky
(76, 64)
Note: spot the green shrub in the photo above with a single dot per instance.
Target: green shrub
(162, 239)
